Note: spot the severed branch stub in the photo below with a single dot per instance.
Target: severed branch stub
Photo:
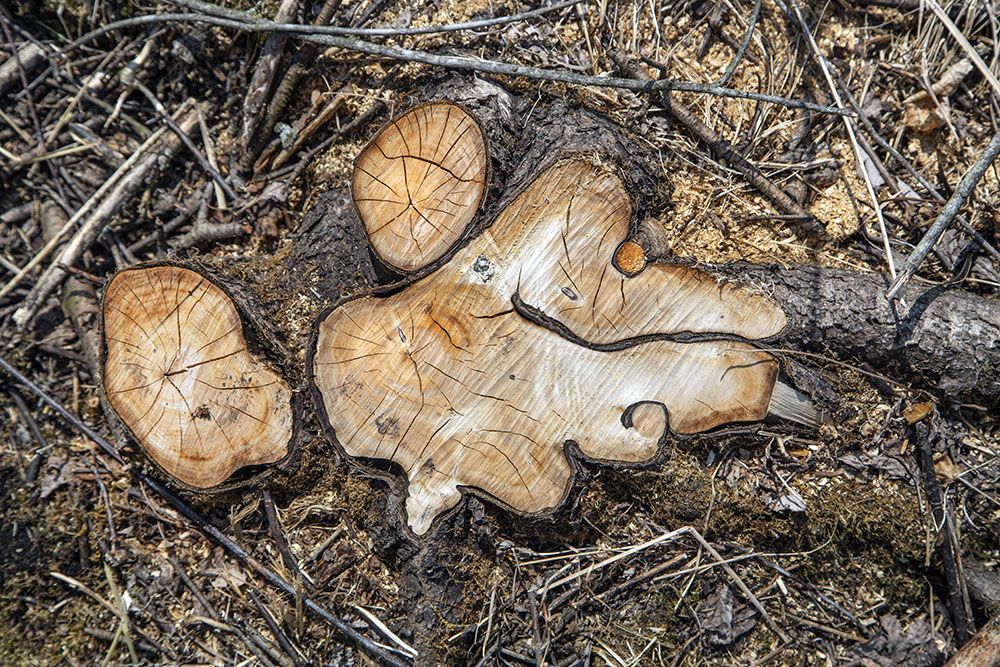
(418, 183)
(178, 374)
(547, 328)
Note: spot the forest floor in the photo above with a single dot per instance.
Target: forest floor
(871, 541)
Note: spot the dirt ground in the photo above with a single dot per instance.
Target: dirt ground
(872, 540)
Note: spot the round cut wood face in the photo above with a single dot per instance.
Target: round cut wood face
(419, 182)
(180, 377)
(450, 381)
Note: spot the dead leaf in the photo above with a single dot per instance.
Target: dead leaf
(918, 411)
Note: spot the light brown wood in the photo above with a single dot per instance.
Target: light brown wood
(449, 381)
(178, 374)
(419, 182)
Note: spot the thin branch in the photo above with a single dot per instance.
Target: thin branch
(948, 213)
(858, 154)
(215, 10)
(247, 23)
(963, 41)
(743, 46)
(908, 166)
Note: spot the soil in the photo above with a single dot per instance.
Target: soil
(834, 532)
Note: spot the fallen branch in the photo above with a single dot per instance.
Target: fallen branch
(247, 23)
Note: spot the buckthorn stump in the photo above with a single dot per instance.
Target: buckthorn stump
(419, 182)
(178, 374)
(539, 332)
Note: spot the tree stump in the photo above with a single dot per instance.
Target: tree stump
(531, 336)
(418, 183)
(178, 372)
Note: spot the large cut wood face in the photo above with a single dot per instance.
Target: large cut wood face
(179, 376)
(448, 380)
(418, 183)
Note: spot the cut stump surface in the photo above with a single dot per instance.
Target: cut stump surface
(529, 337)
(178, 374)
(418, 183)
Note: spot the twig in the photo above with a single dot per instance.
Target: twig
(948, 213)
(264, 71)
(908, 166)
(206, 140)
(204, 232)
(283, 641)
(956, 602)
(739, 583)
(319, 29)
(970, 52)
(43, 445)
(131, 178)
(724, 79)
(247, 23)
(858, 155)
(377, 623)
(363, 642)
(274, 528)
(83, 211)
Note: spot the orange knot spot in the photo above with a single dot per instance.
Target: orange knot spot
(630, 258)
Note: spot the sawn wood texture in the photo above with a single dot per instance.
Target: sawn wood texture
(178, 373)
(419, 182)
(453, 383)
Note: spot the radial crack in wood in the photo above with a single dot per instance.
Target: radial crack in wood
(455, 380)
(178, 374)
(419, 182)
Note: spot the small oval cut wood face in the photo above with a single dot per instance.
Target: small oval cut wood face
(179, 376)
(418, 183)
(450, 381)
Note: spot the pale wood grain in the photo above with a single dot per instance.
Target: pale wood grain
(180, 377)
(419, 182)
(449, 381)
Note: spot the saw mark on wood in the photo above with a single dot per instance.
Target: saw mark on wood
(489, 393)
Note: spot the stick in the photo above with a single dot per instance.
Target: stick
(306, 33)
(320, 29)
(130, 179)
(898, 157)
(83, 211)
(850, 134)
(754, 15)
(267, 67)
(948, 213)
(956, 603)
